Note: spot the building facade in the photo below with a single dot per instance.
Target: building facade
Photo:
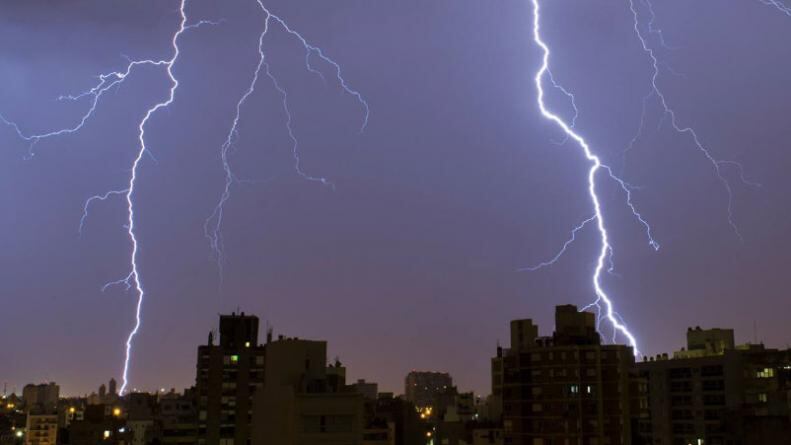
(567, 388)
(715, 393)
(228, 375)
(43, 397)
(429, 389)
(304, 401)
(41, 429)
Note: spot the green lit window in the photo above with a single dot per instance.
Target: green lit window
(234, 359)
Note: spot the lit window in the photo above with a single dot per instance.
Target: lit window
(247, 344)
(234, 359)
(762, 398)
(575, 389)
(765, 373)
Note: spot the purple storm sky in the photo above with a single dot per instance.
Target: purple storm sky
(411, 262)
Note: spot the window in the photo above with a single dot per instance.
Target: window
(762, 398)
(711, 371)
(714, 399)
(234, 359)
(537, 407)
(713, 385)
(681, 386)
(574, 389)
(327, 424)
(765, 373)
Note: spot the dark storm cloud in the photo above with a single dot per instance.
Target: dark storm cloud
(411, 262)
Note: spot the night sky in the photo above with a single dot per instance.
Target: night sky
(457, 182)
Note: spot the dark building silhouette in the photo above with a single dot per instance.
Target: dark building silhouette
(715, 393)
(228, 374)
(431, 392)
(567, 388)
(41, 398)
(99, 424)
(394, 421)
(141, 413)
(304, 400)
(178, 416)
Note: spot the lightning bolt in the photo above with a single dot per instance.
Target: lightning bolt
(777, 4)
(213, 224)
(603, 301)
(572, 101)
(562, 250)
(668, 113)
(106, 82)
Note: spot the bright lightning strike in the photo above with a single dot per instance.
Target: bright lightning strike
(605, 249)
(213, 225)
(133, 279)
(107, 82)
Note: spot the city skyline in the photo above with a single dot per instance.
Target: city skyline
(411, 259)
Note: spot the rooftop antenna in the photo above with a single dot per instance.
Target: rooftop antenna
(755, 332)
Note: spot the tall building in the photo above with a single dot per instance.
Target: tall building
(715, 393)
(41, 429)
(427, 389)
(305, 401)
(113, 387)
(43, 397)
(567, 388)
(228, 374)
